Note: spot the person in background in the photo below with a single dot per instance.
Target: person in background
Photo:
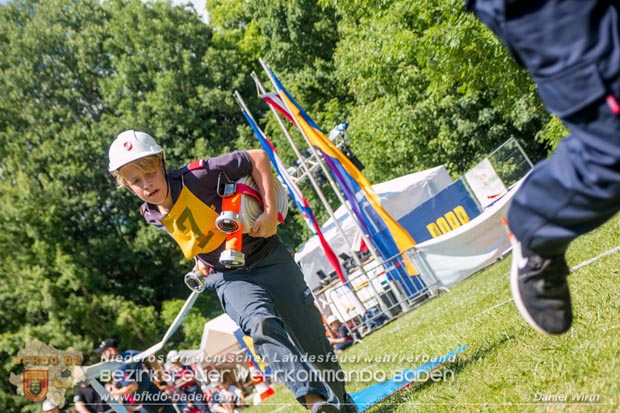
(338, 334)
(190, 408)
(231, 393)
(87, 400)
(218, 400)
(572, 51)
(185, 380)
(133, 380)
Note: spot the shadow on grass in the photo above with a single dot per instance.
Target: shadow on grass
(393, 402)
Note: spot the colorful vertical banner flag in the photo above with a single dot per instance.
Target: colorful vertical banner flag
(294, 192)
(387, 235)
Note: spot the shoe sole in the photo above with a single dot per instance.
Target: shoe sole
(327, 409)
(514, 282)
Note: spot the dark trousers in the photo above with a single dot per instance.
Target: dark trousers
(572, 51)
(272, 304)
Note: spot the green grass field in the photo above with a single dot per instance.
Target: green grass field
(508, 367)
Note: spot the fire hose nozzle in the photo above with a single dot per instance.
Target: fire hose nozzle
(228, 222)
(195, 281)
(232, 258)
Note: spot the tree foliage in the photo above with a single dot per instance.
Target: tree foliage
(421, 83)
(431, 86)
(73, 75)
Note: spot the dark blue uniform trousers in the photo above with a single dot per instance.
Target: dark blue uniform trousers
(271, 303)
(572, 51)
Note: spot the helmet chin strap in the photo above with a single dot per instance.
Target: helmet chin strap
(166, 178)
(163, 164)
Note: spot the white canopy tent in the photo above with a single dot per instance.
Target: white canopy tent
(218, 338)
(398, 196)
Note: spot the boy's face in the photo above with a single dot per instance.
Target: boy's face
(150, 187)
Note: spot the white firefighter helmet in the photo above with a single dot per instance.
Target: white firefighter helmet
(48, 405)
(173, 356)
(129, 146)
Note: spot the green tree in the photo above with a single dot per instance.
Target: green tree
(431, 86)
(78, 263)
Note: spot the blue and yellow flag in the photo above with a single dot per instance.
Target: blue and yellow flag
(389, 238)
(294, 192)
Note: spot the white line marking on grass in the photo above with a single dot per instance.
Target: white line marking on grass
(598, 257)
(574, 268)
(492, 308)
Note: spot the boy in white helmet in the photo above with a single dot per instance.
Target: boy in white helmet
(266, 296)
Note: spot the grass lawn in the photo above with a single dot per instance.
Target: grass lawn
(508, 367)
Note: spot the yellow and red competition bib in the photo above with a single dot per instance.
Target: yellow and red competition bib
(192, 225)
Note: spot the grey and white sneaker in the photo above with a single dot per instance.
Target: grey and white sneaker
(540, 290)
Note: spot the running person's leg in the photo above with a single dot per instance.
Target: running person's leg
(254, 310)
(572, 51)
(295, 303)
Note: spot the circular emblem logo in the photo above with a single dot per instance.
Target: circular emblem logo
(128, 146)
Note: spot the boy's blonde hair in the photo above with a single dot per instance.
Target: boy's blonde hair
(147, 165)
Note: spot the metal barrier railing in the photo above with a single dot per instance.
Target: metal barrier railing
(385, 291)
(383, 287)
